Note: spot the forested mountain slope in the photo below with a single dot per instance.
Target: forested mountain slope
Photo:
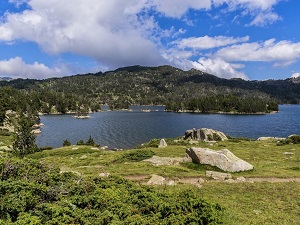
(179, 90)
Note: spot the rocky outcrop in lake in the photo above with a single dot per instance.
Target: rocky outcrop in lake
(205, 134)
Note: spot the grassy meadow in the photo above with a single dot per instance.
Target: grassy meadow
(244, 202)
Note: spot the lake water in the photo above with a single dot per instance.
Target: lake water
(126, 129)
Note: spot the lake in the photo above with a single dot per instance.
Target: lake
(126, 129)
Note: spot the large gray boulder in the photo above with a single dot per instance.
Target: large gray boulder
(223, 159)
(205, 134)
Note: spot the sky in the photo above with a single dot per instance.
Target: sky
(248, 39)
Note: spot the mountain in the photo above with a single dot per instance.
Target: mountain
(5, 78)
(178, 89)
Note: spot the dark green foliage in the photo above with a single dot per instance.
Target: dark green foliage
(24, 139)
(91, 142)
(32, 193)
(80, 142)
(67, 143)
(164, 85)
(4, 132)
(135, 156)
(46, 148)
(293, 139)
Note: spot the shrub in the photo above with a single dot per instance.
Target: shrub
(66, 143)
(80, 142)
(32, 193)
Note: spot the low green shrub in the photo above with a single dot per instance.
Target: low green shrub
(32, 193)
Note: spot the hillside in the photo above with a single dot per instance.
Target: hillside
(191, 90)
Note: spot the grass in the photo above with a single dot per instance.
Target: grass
(245, 203)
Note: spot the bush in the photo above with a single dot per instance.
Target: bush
(32, 193)
(80, 142)
(292, 139)
(66, 143)
(46, 148)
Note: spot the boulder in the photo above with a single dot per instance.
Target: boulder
(163, 161)
(218, 175)
(223, 159)
(162, 143)
(205, 134)
(156, 180)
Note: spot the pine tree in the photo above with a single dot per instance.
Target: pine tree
(24, 139)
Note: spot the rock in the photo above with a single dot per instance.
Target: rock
(104, 147)
(205, 134)
(163, 161)
(269, 138)
(218, 175)
(288, 153)
(241, 179)
(187, 158)
(171, 183)
(201, 180)
(156, 180)
(36, 131)
(103, 174)
(223, 159)
(83, 157)
(162, 143)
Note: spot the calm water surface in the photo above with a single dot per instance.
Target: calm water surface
(124, 129)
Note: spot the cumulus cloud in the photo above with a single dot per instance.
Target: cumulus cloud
(103, 30)
(260, 10)
(268, 51)
(17, 68)
(296, 75)
(207, 42)
(220, 68)
(119, 33)
(177, 8)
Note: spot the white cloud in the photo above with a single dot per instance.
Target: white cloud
(260, 10)
(103, 30)
(177, 8)
(17, 68)
(269, 51)
(207, 42)
(220, 68)
(296, 75)
(263, 19)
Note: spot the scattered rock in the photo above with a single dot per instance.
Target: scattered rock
(162, 143)
(103, 174)
(171, 183)
(223, 159)
(163, 161)
(104, 147)
(5, 148)
(201, 180)
(269, 138)
(75, 148)
(241, 179)
(83, 157)
(288, 153)
(187, 158)
(94, 148)
(218, 175)
(156, 180)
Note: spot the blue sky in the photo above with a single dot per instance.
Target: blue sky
(250, 39)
